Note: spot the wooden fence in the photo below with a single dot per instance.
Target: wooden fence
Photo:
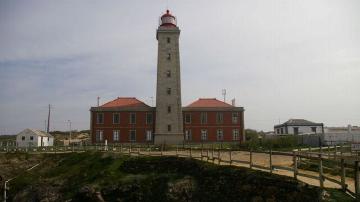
(225, 157)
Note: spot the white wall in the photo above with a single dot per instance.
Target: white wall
(36, 142)
(27, 142)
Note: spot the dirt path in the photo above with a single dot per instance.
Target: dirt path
(277, 160)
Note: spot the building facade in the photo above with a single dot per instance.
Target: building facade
(123, 120)
(211, 120)
(34, 138)
(126, 120)
(168, 127)
(129, 120)
(298, 127)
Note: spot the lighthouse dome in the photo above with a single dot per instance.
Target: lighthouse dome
(168, 20)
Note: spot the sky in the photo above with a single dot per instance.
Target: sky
(279, 59)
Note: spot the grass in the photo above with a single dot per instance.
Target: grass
(126, 178)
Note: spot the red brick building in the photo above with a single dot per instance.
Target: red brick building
(126, 120)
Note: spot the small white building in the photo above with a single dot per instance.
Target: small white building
(298, 127)
(338, 135)
(34, 138)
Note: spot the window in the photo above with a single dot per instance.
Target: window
(168, 73)
(187, 118)
(99, 135)
(149, 118)
(296, 130)
(236, 135)
(116, 118)
(99, 118)
(203, 117)
(132, 118)
(132, 135)
(168, 91)
(168, 56)
(169, 127)
(235, 117)
(148, 135)
(220, 134)
(23, 138)
(169, 109)
(219, 117)
(282, 131)
(188, 135)
(31, 137)
(168, 39)
(203, 135)
(313, 129)
(278, 131)
(116, 135)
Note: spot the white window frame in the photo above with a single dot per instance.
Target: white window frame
(188, 136)
(236, 134)
(130, 119)
(204, 135)
(203, 118)
(235, 117)
(114, 118)
(148, 135)
(188, 122)
(220, 134)
(97, 118)
(116, 135)
(219, 118)
(99, 135)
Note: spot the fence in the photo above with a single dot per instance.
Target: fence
(337, 155)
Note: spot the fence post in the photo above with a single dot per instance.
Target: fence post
(270, 161)
(219, 157)
(201, 151)
(328, 149)
(335, 153)
(321, 176)
(212, 153)
(295, 165)
(250, 158)
(230, 156)
(161, 153)
(177, 148)
(356, 176)
(343, 183)
(207, 155)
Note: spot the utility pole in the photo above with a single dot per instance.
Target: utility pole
(224, 94)
(48, 122)
(69, 131)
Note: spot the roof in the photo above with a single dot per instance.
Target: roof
(298, 122)
(36, 132)
(209, 102)
(125, 102)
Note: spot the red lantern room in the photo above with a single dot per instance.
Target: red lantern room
(167, 20)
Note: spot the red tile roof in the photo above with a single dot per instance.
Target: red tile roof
(209, 102)
(125, 102)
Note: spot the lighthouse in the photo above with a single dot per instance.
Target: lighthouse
(169, 121)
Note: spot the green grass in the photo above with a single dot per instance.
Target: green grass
(126, 178)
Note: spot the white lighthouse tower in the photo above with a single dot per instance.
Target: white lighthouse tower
(169, 121)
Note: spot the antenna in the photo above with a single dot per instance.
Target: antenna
(48, 121)
(224, 94)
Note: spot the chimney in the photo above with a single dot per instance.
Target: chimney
(233, 102)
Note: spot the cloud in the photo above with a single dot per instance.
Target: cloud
(279, 59)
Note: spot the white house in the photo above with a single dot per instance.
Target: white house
(34, 138)
(338, 135)
(299, 126)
